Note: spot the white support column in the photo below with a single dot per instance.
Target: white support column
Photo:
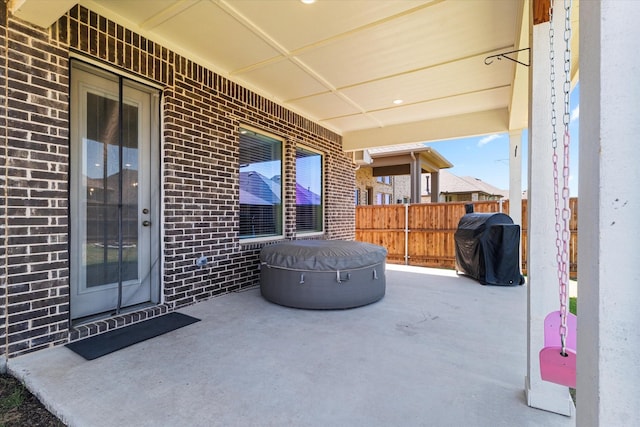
(515, 182)
(542, 268)
(515, 176)
(609, 203)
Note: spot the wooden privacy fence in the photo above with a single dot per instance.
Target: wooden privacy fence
(423, 234)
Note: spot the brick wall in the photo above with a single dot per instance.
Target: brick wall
(365, 179)
(402, 187)
(3, 180)
(201, 114)
(36, 217)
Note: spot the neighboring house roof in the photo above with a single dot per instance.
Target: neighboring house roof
(247, 198)
(453, 184)
(257, 189)
(304, 196)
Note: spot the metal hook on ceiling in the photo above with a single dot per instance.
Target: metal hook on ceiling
(489, 59)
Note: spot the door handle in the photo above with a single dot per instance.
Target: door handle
(146, 223)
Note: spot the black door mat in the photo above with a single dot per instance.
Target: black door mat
(99, 345)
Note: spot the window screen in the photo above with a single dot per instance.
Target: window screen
(260, 185)
(309, 206)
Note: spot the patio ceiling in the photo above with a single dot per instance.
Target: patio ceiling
(344, 63)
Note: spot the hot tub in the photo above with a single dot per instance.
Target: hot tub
(322, 274)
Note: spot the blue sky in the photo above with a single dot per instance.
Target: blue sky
(487, 157)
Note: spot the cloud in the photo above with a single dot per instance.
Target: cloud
(575, 114)
(487, 139)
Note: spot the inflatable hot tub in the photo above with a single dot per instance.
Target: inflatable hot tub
(322, 274)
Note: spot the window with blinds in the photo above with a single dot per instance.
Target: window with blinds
(309, 206)
(260, 185)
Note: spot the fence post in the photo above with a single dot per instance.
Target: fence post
(406, 234)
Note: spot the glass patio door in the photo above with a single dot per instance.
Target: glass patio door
(114, 243)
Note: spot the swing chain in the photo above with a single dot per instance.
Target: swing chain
(562, 215)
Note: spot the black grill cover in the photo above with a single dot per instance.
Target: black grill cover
(487, 246)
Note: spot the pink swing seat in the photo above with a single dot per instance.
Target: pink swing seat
(555, 367)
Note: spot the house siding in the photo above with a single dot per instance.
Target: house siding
(201, 113)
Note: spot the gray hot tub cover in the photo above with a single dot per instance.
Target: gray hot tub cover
(322, 255)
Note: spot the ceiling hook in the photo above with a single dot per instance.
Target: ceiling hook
(489, 59)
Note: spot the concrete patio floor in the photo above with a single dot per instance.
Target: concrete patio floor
(437, 350)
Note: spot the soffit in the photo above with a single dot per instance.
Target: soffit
(343, 63)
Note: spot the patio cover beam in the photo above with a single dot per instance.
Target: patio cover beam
(463, 125)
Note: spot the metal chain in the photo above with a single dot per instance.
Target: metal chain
(562, 215)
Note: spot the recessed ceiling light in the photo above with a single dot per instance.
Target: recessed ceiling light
(308, 1)
(398, 101)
